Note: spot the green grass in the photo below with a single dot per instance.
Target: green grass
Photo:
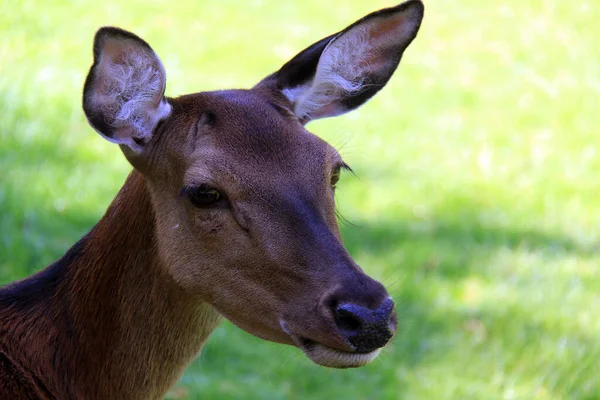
(476, 201)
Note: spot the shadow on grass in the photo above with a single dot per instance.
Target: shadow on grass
(236, 365)
(32, 238)
(35, 229)
(449, 245)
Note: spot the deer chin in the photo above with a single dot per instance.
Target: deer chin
(327, 356)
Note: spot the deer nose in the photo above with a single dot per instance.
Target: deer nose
(364, 328)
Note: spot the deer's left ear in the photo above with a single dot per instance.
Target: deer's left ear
(342, 71)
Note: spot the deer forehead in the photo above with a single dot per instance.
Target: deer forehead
(246, 136)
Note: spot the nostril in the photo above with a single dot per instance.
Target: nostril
(346, 320)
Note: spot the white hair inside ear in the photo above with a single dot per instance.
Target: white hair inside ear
(341, 72)
(130, 87)
(124, 98)
(356, 63)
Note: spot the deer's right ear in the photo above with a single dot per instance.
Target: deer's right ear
(123, 96)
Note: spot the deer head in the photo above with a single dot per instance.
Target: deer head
(243, 194)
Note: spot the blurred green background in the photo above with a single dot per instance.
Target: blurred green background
(476, 200)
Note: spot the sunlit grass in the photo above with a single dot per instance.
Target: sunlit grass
(476, 199)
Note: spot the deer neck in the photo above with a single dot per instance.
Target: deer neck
(131, 328)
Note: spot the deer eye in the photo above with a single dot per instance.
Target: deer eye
(202, 196)
(335, 177)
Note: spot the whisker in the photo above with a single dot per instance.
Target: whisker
(390, 285)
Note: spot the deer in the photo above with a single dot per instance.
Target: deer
(228, 212)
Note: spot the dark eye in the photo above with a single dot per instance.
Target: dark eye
(202, 196)
(335, 177)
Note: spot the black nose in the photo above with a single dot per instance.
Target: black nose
(363, 328)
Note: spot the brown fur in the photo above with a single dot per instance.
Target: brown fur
(94, 334)
(123, 312)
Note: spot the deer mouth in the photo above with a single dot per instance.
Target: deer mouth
(327, 356)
